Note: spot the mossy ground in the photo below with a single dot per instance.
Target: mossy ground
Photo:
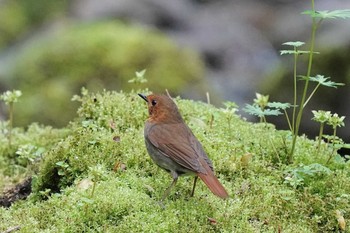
(95, 176)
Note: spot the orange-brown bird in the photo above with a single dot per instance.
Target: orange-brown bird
(173, 147)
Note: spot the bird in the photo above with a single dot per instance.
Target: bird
(172, 145)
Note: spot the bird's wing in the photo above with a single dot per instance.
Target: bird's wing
(177, 142)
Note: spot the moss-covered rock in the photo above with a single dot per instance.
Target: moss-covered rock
(100, 178)
(97, 56)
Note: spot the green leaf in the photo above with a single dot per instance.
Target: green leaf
(140, 77)
(316, 168)
(321, 116)
(303, 172)
(272, 112)
(10, 96)
(346, 146)
(261, 100)
(286, 194)
(336, 121)
(140, 73)
(230, 105)
(283, 52)
(336, 14)
(294, 43)
(279, 105)
(323, 81)
(62, 164)
(257, 111)
(87, 200)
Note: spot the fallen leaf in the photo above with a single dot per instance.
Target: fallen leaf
(341, 220)
(112, 124)
(212, 220)
(119, 166)
(246, 159)
(84, 184)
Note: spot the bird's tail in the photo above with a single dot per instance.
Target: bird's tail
(212, 182)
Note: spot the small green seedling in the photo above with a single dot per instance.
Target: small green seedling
(139, 78)
(322, 117)
(259, 108)
(335, 121)
(97, 173)
(229, 110)
(10, 97)
(296, 177)
(283, 107)
(325, 117)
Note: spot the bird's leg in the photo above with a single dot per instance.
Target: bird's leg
(194, 185)
(167, 191)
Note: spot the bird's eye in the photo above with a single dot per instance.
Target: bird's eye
(154, 102)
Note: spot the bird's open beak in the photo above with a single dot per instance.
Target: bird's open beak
(143, 97)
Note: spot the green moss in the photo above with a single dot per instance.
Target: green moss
(27, 148)
(97, 56)
(266, 195)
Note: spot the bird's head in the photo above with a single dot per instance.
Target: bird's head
(162, 109)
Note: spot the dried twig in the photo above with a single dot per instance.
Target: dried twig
(167, 92)
(16, 228)
(208, 97)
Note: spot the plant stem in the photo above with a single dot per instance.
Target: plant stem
(93, 189)
(91, 196)
(333, 149)
(295, 89)
(212, 121)
(320, 137)
(334, 135)
(301, 109)
(312, 93)
(288, 121)
(10, 123)
(275, 150)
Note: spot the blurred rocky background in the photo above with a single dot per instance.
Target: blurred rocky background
(49, 49)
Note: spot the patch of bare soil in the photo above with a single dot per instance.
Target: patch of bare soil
(20, 192)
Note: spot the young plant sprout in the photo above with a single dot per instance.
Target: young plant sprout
(10, 97)
(335, 121)
(322, 117)
(259, 108)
